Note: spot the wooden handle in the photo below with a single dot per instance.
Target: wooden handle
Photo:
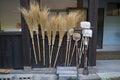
(56, 57)
(44, 58)
(51, 56)
(76, 46)
(39, 54)
(72, 54)
(34, 51)
(66, 53)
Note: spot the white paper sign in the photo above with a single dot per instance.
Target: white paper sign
(85, 24)
(87, 32)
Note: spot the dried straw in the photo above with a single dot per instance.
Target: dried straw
(49, 33)
(62, 31)
(29, 22)
(54, 25)
(71, 20)
(35, 10)
(82, 16)
(43, 20)
(76, 38)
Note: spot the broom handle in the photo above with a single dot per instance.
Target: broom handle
(39, 54)
(85, 56)
(66, 52)
(81, 51)
(51, 55)
(77, 64)
(69, 51)
(56, 56)
(34, 51)
(81, 55)
(72, 54)
(44, 52)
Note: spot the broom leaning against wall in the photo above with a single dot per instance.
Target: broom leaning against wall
(87, 33)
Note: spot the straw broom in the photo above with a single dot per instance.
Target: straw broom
(29, 22)
(70, 32)
(76, 38)
(62, 31)
(71, 22)
(85, 70)
(34, 9)
(43, 20)
(86, 39)
(80, 16)
(81, 50)
(54, 25)
(48, 28)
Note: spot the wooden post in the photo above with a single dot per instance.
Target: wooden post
(92, 17)
(25, 37)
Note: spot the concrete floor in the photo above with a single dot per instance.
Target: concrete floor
(108, 69)
(107, 66)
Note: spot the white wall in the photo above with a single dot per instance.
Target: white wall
(111, 33)
(9, 14)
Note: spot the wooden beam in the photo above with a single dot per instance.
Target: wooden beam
(25, 36)
(79, 3)
(92, 17)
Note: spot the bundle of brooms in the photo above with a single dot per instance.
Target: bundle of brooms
(43, 20)
(36, 16)
(62, 30)
(71, 20)
(54, 26)
(81, 16)
(49, 35)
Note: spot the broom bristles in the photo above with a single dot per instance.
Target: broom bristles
(43, 17)
(34, 10)
(70, 19)
(27, 17)
(62, 29)
(43, 14)
(54, 25)
(48, 28)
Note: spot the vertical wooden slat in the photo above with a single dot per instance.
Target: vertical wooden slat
(25, 36)
(92, 17)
